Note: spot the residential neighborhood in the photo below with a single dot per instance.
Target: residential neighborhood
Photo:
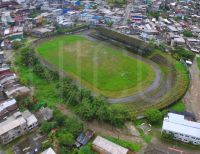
(99, 76)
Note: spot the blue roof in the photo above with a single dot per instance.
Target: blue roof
(96, 17)
(66, 10)
(77, 3)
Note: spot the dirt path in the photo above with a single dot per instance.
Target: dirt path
(192, 97)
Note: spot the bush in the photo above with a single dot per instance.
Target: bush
(167, 135)
(118, 116)
(181, 53)
(126, 144)
(59, 118)
(16, 45)
(46, 145)
(73, 125)
(65, 138)
(46, 127)
(187, 33)
(153, 115)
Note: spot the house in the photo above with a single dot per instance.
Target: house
(104, 146)
(182, 129)
(41, 32)
(178, 41)
(16, 90)
(49, 151)
(16, 125)
(84, 138)
(7, 107)
(7, 77)
(44, 114)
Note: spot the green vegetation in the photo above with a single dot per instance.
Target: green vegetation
(182, 53)
(179, 106)
(117, 1)
(46, 127)
(153, 115)
(76, 27)
(87, 149)
(154, 14)
(126, 144)
(187, 33)
(198, 62)
(167, 135)
(34, 14)
(16, 45)
(146, 137)
(101, 68)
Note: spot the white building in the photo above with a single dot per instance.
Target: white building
(183, 129)
(49, 151)
(104, 146)
(16, 125)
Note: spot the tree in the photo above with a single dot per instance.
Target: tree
(182, 53)
(25, 102)
(118, 116)
(167, 135)
(73, 125)
(46, 145)
(102, 113)
(85, 110)
(59, 117)
(187, 33)
(16, 45)
(65, 138)
(153, 115)
(46, 127)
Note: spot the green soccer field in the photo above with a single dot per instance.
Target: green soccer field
(100, 67)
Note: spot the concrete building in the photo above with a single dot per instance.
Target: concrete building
(16, 125)
(182, 129)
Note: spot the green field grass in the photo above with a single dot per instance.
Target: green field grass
(179, 106)
(100, 67)
(198, 62)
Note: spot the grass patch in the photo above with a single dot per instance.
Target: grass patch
(147, 138)
(44, 91)
(126, 144)
(87, 149)
(198, 62)
(179, 106)
(99, 66)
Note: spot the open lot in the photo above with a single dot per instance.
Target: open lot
(98, 66)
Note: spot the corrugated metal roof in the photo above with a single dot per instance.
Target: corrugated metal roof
(109, 146)
(177, 123)
(7, 103)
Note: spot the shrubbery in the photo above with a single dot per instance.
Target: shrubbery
(153, 115)
(182, 53)
(16, 45)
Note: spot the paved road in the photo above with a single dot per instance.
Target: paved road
(192, 97)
